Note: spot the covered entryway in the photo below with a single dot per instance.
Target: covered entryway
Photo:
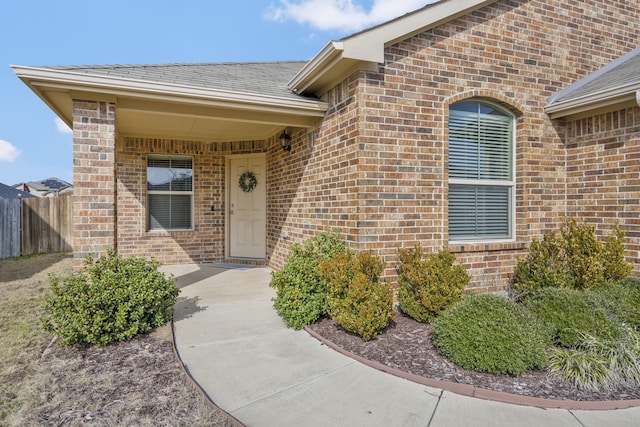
(246, 215)
(219, 116)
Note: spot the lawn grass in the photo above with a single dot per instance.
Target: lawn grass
(22, 288)
(139, 382)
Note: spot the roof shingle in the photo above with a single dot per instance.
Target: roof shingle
(621, 72)
(260, 78)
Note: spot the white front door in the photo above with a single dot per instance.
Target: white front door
(247, 217)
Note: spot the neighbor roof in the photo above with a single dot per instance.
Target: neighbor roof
(616, 83)
(7, 192)
(48, 184)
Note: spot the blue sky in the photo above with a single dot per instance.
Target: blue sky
(34, 146)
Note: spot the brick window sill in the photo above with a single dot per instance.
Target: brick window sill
(460, 247)
(168, 232)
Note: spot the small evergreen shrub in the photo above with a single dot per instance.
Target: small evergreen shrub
(428, 285)
(301, 294)
(571, 313)
(358, 300)
(489, 333)
(599, 364)
(542, 267)
(616, 268)
(572, 258)
(111, 299)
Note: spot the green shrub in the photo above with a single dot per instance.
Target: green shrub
(599, 364)
(429, 285)
(542, 267)
(489, 333)
(573, 258)
(582, 255)
(358, 300)
(616, 268)
(111, 299)
(570, 313)
(621, 300)
(301, 294)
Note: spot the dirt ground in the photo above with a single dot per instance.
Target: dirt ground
(139, 382)
(406, 345)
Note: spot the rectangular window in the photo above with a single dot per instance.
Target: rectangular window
(170, 193)
(476, 210)
(480, 172)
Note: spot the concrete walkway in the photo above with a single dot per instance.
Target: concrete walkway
(236, 347)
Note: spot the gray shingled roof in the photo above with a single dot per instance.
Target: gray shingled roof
(49, 184)
(623, 71)
(7, 192)
(259, 78)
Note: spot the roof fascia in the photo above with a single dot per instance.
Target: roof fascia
(39, 78)
(618, 95)
(326, 58)
(367, 47)
(595, 75)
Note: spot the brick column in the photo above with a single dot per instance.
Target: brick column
(94, 193)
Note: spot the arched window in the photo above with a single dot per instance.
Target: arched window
(481, 181)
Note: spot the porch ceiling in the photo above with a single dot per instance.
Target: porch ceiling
(210, 122)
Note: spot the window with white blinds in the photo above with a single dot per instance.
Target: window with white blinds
(480, 172)
(170, 193)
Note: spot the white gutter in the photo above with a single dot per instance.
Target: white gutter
(592, 101)
(329, 54)
(69, 80)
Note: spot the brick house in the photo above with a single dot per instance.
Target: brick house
(478, 125)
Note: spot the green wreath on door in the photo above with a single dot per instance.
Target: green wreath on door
(247, 182)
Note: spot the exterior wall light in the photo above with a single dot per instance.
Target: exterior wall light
(285, 141)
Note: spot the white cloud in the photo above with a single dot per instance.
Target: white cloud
(8, 153)
(344, 15)
(62, 126)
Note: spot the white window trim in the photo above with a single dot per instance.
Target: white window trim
(164, 192)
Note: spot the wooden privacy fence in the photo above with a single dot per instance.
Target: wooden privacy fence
(9, 228)
(38, 225)
(46, 225)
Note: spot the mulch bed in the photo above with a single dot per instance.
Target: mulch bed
(406, 345)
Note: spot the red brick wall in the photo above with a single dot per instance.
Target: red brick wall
(387, 130)
(314, 187)
(603, 174)
(206, 242)
(94, 210)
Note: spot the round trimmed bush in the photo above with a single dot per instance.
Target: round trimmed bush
(111, 299)
(301, 294)
(570, 313)
(621, 300)
(489, 333)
